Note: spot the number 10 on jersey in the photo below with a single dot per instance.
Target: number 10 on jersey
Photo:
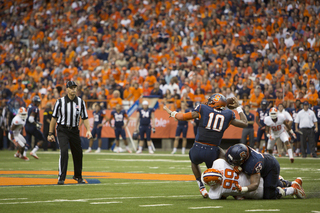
(218, 121)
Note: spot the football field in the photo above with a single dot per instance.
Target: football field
(135, 183)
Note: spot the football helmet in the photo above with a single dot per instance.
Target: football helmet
(135, 136)
(212, 177)
(36, 99)
(237, 154)
(217, 101)
(22, 112)
(264, 104)
(273, 113)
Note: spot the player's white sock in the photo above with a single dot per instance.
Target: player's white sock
(200, 184)
(140, 148)
(150, 148)
(25, 151)
(290, 153)
(174, 150)
(289, 191)
(99, 149)
(35, 149)
(183, 151)
(89, 148)
(297, 150)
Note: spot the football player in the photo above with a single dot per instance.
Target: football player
(293, 112)
(98, 116)
(181, 128)
(15, 136)
(33, 125)
(276, 122)
(214, 119)
(289, 119)
(143, 125)
(224, 187)
(257, 165)
(119, 126)
(261, 114)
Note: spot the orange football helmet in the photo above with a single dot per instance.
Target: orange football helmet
(212, 177)
(273, 113)
(217, 101)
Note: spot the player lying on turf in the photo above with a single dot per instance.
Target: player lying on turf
(15, 136)
(256, 166)
(223, 179)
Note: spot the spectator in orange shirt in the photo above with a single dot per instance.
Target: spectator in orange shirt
(312, 96)
(256, 97)
(115, 100)
(26, 97)
(151, 79)
(146, 90)
(135, 92)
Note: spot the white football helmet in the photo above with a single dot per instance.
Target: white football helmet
(273, 113)
(23, 113)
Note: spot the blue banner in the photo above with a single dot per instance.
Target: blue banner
(133, 108)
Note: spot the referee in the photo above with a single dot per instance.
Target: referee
(308, 124)
(67, 112)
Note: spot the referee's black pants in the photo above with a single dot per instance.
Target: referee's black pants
(307, 133)
(69, 136)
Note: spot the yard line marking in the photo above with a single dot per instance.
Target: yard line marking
(146, 160)
(94, 199)
(206, 207)
(263, 210)
(315, 211)
(160, 182)
(15, 199)
(106, 202)
(121, 154)
(155, 205)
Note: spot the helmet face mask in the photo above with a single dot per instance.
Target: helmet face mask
(264, 104)
(217, 101)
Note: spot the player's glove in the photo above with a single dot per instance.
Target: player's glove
(293, 134)
(270, 137)
(39, 125)
(173, 114)
(240, 188)
(153, 130)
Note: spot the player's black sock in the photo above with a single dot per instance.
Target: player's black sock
(200, 184)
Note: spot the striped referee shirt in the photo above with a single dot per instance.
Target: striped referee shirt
(68, 111)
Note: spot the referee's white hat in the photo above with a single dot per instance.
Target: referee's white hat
(145, 103)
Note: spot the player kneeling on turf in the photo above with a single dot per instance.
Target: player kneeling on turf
(15, 136)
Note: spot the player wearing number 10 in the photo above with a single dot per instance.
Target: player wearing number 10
(214, 119)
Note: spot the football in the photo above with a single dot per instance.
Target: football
(211, 177)
(229, 102)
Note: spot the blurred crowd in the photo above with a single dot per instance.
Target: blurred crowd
(176, 50)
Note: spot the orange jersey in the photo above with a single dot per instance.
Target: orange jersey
(114, 101)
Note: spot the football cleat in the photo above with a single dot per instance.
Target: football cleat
(204, 193)
(16, 155)
(34, 155)
(298, 190)
(98, 150)
(173, 152)
(87, 151)
(129, 151)
(24, 158)
(151, 152)
(284, 182)
(299, 181)
(139, 152)
(211, 177)
(291, 160)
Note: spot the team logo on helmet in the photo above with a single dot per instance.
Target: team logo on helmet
(217, 98)
(243, 155)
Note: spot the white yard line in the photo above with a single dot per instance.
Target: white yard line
(146, 160)
(95, 203)
(206, 207)
(14, 199)
(155, 205)
(94, 199)
(262, 210)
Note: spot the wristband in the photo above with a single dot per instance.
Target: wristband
(11, 132)
(50, 133)
(244, 189)
(291, 131)
(239, 109)
(268, 135)
(173, 114)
